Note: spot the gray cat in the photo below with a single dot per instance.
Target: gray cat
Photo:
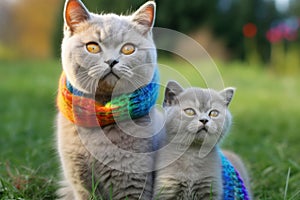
(196, 120)
(106, 56)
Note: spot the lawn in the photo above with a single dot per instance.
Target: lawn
(265, 132)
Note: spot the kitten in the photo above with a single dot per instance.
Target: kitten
(196, 120)
(104, 57)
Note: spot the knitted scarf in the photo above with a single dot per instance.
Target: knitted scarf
(233, 185)
(84, 111)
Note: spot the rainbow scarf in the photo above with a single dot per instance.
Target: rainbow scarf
(233, 185)
(87, 112)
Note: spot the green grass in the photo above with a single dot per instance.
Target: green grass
(28, 163)
(265, 132)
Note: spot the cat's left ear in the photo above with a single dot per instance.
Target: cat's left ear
(227, 94)
(172, 91)
(144, 17)
(74, 13)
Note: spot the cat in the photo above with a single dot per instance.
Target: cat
(196, 120)
(109, 65)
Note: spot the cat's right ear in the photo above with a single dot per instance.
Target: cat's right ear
(172, 91)
(227, 94)
(74, 13)
(144, 17)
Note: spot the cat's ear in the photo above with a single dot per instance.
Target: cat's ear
(144, 17)
(227, 94)
(172, 91)
(74, 13)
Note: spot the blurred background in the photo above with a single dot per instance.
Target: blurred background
(255, 43)
(253, 31)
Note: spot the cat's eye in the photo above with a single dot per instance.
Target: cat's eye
(128, 49)
(214, 113)
(189, 111)
(93, 47)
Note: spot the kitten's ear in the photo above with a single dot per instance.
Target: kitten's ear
(74, 13)
(227, 94)
(173, 89)
(144, 17)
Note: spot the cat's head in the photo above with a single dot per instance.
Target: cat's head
(197, 112)
(107, 53)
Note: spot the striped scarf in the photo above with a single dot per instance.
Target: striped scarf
(87, 112)
(233, 185)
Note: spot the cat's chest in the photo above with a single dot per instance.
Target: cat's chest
(113, 137)
(193, 167)
(191, 176)
(191, 163)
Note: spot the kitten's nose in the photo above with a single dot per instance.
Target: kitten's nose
(111, 62)
(204, 121)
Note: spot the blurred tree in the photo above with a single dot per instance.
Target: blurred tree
(229, 24)
(295, 7)
(5, 15)
(5, 33)
(184, 16)
(26, 27)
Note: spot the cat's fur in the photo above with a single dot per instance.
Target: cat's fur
(105, 161)
(196, 174)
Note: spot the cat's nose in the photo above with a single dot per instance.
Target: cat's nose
(204, 121)
(111, 62)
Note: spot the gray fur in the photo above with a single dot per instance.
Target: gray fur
(107, 159)
(192, 176)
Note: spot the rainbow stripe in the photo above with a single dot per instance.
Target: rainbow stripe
(86, 112)
(233, 185)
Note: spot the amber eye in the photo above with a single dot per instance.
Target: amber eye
(128, 49)
(214, 113)
(93, 47)
(189, 111)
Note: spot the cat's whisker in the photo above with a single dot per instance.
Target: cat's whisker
(124, 70)
(93, 71)
(84, 81)
(94, 85)
(98, 71)
(138, 84)
(81, 76)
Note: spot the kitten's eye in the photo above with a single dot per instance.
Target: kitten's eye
(190, 111)
(128, 49)
(214, 113)
(93, 47)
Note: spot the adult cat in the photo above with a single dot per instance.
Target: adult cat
(196, 120)
(105, 124)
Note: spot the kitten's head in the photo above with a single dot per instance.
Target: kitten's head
(108, 53)
(197, 112)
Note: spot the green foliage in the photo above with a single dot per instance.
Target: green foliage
(295, 7)
(265, 129)
(183, 16)
(26, 185)
(229, 25)
(6, 53)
